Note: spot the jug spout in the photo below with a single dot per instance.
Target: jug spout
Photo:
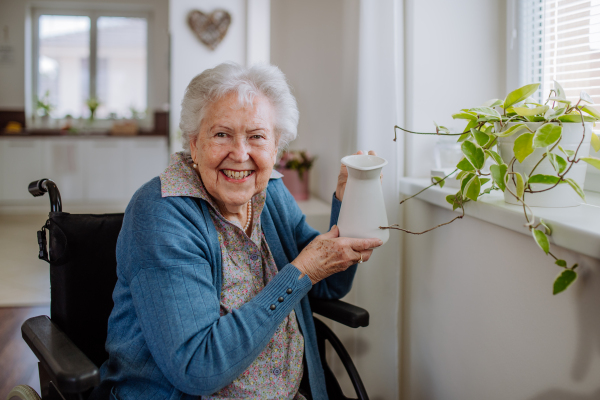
(363, 208)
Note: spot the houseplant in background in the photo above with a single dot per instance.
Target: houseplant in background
(536, 154)
(44, 107)
(295, 165)
(93, 104)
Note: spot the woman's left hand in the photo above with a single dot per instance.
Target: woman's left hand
(343, 177)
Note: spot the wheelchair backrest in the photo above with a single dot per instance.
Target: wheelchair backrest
(83, 265)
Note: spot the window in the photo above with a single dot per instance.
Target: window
(84, 56)
(560, 40)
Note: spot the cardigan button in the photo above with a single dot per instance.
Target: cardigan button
(289, 291)
(273, 307)
(254, 257)
(280, 299)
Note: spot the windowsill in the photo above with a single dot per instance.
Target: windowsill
(574, 228)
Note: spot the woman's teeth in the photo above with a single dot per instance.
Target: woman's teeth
(236, 174)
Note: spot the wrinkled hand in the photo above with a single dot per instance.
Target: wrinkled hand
(343, 177)
(328, 254)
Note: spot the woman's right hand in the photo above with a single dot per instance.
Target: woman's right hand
(328, 254)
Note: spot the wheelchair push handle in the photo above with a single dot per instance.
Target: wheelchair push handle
(38, 188)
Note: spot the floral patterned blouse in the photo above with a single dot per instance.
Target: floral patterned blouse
(248, 266)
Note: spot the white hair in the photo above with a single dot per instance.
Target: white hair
(213, 84)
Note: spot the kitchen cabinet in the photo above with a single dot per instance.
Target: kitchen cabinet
(87, 170)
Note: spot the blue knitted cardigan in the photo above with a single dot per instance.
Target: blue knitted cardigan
(166, 339)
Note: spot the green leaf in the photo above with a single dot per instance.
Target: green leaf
(512, 130)
(461, 174)
(547, 179)
(568, 153)
(495, 156)
(575, 117)
(564, 280)
(439, 128)
(487, 112)
(457, 201)
(481, 137)
(465, 115)
(554, 113)
(545, 225)
(591, 111)
(560, 92)
(464, 182)
(451, 198)
(530, 112)
(541, 239)
(575, 187)
(488, 190)
(492, 103)
(474, 154)
(557, 162)
(536, 118)
(520, 185)
(440, 181)
(520, 94)
(465, 165)
(547, 134)
(523, 146)
(595, 142)
(464, 137)
(483, 181)
(498, 174)
(593, 161)
(586, 97)
(561, 263)
(473, 188)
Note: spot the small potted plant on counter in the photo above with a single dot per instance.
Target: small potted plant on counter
(295, 165)
(44, 108)
(536, 154)
(93, 104)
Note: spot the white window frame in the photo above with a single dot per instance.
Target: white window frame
(514, 75)
(93, 12)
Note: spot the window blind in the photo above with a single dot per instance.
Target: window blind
(560, 40)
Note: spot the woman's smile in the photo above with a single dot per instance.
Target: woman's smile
(237, 176)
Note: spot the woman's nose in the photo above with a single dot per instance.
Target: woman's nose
(239, 151)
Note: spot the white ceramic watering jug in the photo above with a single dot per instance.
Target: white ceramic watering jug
(363, 208)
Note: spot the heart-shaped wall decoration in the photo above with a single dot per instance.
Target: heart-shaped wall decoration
(210, 28)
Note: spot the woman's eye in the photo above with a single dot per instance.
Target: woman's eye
(221, 134)
(257, 136)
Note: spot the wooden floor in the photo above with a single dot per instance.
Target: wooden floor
(18, 365)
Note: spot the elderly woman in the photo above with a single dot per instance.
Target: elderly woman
(215, 259)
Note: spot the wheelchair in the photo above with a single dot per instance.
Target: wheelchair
(70, 344)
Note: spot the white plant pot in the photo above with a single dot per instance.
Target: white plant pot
(562, 195)
(363, 208)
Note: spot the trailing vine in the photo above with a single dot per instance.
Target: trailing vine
(503, 118)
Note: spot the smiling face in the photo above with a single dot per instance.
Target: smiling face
(235, 150)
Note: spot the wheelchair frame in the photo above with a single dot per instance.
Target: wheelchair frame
(67, 373)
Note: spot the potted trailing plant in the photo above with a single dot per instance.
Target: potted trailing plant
(294, 165)
(535, 153)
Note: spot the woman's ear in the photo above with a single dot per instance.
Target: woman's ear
(193, 148)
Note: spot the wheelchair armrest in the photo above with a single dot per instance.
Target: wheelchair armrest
(70, 369)
(340, 311)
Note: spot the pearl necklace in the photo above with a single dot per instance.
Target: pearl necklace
(248, 215)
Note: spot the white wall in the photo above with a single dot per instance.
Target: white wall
(15, 32)
(479, 317)
(307, 43)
